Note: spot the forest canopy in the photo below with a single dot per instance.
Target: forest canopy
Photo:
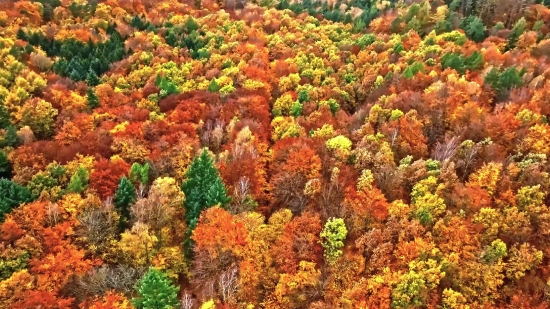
(274, 154)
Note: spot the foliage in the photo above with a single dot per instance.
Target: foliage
(11, 196)
(156, 292)
(77, 58)
(91, 99)
(502, 81)
(203, 188)
(242, 130)
(332, 238)
(79, 181)
(124, 196)
(5, 166)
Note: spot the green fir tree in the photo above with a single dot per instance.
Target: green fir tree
(517, 31)
(408, 73)
(475, 30)
(11, 196)
(92, 79)
(10, 138)
(4, 117)
(203, 188)
(156, 291)
(5, 166)
(92, 100)
(124, 196)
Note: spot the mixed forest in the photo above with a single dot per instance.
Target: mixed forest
(352, 154)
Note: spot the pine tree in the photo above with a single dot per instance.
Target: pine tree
(408, 73)
(5, 166)
(124, 196)
(217, 194)
(203, 188)
(136, 22)
(517, 31)
(79, 181)
(92, 78)
(21, 35)
(474, 61)
(92, 100)
(171, 38)
(475, 30)
(4, 117)
(156, 291)
(11, 196)
(10, 139)
(453, 61)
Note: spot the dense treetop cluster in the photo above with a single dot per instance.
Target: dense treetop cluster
(274, 154)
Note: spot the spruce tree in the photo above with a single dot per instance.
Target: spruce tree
(171, 38)
(92, 100)
(5, 166)
(10, 139)
(516, 32)
(408, 73)
(4, 117)
(11, 196)
(156, 291)
(475, 30)
(79, 181)
(217, 194)
(124, 196)
(203, 188)
(92, 78)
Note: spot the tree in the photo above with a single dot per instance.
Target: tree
(474, 28)
(218, 232)
(160, 207)
(106, 175)
(332, 238)
(10, 138)
(213, 86)
(137, 245)
(39, 115)
(43, 299)
(4, 117)
(295, 290)
(92, 101)
(139, 174)
(299, 242)
(203, 188)
(124, 196)
(79, 181)
(110, 300)
(494, 252)
(11, 196)
(5, 166)
(408, 73)
(156, 292)
(517, 31)
(92, 79)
